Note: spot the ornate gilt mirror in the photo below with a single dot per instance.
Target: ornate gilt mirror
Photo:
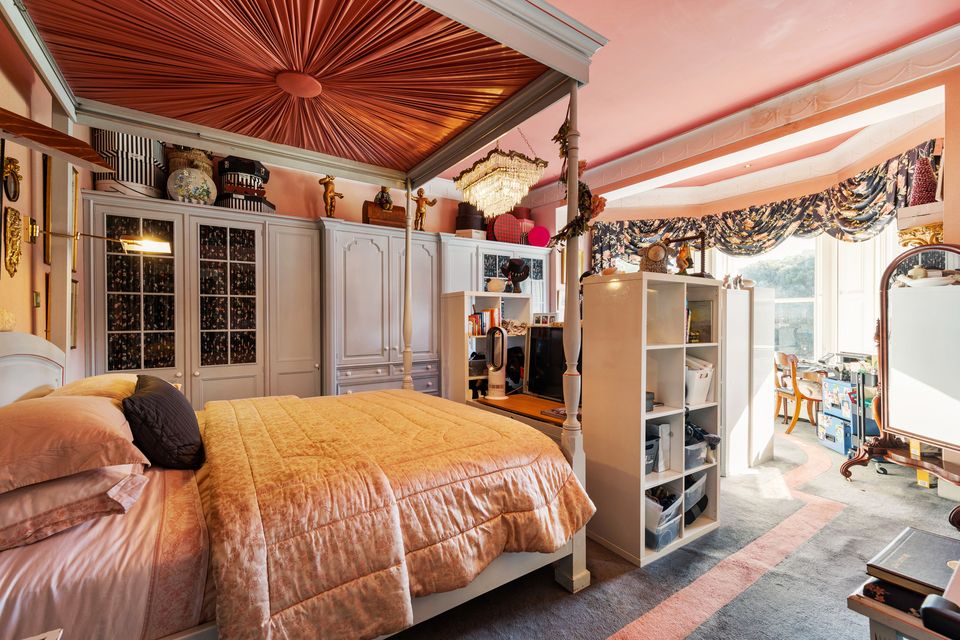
(919, 349)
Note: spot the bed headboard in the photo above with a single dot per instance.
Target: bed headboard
(27, 362)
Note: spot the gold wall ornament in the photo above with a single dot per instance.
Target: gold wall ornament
(12, 237)
(11, 179)
(922, 235)
(421, 212)
(330, 196)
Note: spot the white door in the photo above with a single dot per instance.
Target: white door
(361, 297)
(426, 298)
(227, 310)
(461, 266)
(293, 296)
(139, 300)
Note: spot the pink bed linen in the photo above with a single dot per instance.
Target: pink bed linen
(141, 575)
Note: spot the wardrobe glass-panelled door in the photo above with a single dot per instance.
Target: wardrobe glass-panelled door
(228, 314)
(139, 319)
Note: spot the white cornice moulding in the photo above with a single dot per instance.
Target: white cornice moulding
(844, 155)
(531, 27)
(925, 57)
(107, 116)
(15, 16)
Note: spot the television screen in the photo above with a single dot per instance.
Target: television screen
(545, 363)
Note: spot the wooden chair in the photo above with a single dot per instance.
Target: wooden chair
(789, 386)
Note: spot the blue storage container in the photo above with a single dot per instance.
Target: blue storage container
(839, 398)
(835, 433)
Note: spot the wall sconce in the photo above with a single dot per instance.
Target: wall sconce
(129, 243)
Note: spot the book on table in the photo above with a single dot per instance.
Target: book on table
(917, 560)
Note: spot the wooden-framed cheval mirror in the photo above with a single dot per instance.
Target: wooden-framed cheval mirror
(919, 352)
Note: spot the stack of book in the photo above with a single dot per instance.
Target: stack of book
(916, 564)
(480, 322)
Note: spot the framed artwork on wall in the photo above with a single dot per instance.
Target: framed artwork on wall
(47, 213)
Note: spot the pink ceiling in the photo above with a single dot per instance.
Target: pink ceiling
(775, 160)
(672, 66)
(385, 82)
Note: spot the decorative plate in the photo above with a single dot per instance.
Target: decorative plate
(191, 185)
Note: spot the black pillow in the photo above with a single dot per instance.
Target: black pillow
(164, 425)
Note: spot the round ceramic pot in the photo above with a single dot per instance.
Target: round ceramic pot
(191, 185)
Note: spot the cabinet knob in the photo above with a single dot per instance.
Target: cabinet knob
(349, 391)
(379, 370)
(196, 374)
(316, 366)
(178, 374)
(429, 367)
(396, 348)
(349, 373)
(429, 384)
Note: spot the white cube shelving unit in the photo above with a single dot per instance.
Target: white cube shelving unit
(635, 340)
(456, 342)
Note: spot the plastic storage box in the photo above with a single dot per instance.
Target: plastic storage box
(696, 487)
(665, 533)
(694, 455)
(839, 398)
(650, 454)
(657, 515)
(834, 433)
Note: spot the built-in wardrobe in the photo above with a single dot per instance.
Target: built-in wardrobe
(234, 312)
(256, 304)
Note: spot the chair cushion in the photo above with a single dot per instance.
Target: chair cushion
(164, 424)
(809, 388)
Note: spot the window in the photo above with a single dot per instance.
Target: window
(790, 270)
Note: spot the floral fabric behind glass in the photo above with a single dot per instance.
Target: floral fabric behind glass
(132, 306)
(228, 289)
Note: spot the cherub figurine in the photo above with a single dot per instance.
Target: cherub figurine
(684, 260)
(422, 203)
(330, 196)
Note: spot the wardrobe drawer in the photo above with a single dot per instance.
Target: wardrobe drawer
(346, 389)
(371, 372)
(425, 367)
(427, 384)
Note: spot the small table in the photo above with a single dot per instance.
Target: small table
(888, 623)
(527, 409)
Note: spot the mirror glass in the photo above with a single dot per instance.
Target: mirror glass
(921, 384)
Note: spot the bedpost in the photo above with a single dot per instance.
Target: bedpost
(572, 572)
(408, 295)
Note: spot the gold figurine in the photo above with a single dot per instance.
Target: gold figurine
(330, 196)
(13, 235)
(684, 259)
(422, 203)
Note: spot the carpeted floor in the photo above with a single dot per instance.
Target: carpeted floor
(804, 596)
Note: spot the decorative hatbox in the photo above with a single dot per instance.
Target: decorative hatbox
(241, 185)
(137, 162)
(473, 234)
(468, 217)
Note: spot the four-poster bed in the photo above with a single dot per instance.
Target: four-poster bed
(553, 52)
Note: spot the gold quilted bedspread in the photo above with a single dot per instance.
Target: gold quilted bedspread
(327, 515)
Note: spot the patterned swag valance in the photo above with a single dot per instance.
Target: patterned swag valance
(855, 210)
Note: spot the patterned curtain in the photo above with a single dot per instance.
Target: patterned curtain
(855, 210)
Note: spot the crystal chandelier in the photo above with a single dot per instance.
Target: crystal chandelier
(497, 183)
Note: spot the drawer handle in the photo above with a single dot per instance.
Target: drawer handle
(379, 370)
(349, 391)
(349, 373)
(429, 367)
(429, 384)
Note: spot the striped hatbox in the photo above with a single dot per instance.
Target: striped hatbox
(137, 162)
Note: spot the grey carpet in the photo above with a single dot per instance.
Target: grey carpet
(802, 597)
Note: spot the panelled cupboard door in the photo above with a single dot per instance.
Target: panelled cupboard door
(293, 294)
(425, 264)
(226, 314)
(138, 298)
(361, 297)
(461, 266)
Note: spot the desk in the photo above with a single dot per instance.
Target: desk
(887, 623)
(527, 409)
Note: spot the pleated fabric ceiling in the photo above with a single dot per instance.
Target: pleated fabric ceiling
(379, 82)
